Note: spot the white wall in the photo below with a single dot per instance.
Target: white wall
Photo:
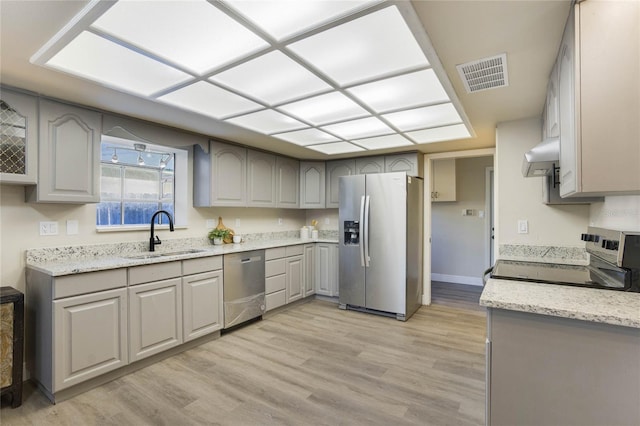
(327, 219)
(621, 213)
(458, 243)
(521, 198)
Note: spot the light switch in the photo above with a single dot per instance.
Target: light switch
(523, 226)
(48, 228)
(210, 224)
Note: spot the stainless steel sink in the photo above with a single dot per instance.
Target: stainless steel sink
(157, 255)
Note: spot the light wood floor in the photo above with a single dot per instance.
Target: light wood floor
(311, 364)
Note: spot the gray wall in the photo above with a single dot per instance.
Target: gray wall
(458, 243)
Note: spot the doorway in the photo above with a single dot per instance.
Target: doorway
(457, 232)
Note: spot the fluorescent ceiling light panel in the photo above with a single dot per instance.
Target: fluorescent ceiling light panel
(439, 134)
(405, 91)
(325, 109)
(210, 100)
(267, 121)
(306, 137)
(380, 142)
(361, 128)
(98, 59)
(372, 46)
(281, 19)
(273, 78)
(420, 118)
(193, 34)
(336, 148)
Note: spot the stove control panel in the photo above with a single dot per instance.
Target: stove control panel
(616, 247)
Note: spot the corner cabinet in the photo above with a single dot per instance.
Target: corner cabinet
(336, 169)
(599, 130)
(18, 138)
(69, 155)
(443, 180)
(312, 185)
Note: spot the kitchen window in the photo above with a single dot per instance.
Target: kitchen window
(136, 180)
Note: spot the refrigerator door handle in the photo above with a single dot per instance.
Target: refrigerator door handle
(366, 232)
(360, 231)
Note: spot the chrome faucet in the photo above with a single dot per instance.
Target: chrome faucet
(153, 242)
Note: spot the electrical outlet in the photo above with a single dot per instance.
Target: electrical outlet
(327, 221)
(48, 228)
(72, 227)
(280, 221)
(237, 222)
(210, 223)
(523, 226)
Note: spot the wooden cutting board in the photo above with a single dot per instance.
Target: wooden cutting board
(229, 238)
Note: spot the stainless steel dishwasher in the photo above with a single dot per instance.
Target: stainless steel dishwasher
(243, 287)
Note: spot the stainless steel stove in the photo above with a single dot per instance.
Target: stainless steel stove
(614, 264)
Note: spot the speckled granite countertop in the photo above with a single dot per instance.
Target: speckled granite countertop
(588, 304)
(67, 263)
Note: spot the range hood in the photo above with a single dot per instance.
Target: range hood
(542, 158)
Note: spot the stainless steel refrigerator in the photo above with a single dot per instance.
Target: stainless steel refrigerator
(381, 243)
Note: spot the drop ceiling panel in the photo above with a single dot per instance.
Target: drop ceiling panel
(439, 134)
(372, 46)
(98, 59)
(192, 33)
(210, 100)
(306, 137)
(326, 108)
(381, 142)
(281, 19)
(420, 118)
(361, 128)
(409, 90)
(267, 121)
(272, 78)
(336, 148)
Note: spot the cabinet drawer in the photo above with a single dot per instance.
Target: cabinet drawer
(201, 264)
(155, 272)
(274, 267)
(275, 300)
(274, 253)
(294, 250)
(90, 282)
(277, 283)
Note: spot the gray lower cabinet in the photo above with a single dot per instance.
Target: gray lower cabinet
(312, 185)
(90, 336)
(285, 275)
(326, 269)
(69, 155)
(545, 370)
(309, 270)
(295, 278)
(202, 304)
(155, 317)
(336, 169)
(287, 183)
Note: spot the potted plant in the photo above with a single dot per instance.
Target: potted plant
(218, 235)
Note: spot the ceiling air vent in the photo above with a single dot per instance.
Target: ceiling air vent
(484, 74)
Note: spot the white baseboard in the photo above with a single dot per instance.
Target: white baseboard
(457, 279)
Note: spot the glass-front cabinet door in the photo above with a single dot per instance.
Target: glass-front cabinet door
(18, 138)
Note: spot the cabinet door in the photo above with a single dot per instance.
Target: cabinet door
(261, 179)
(309, 270)
(202, 304)
(90, 336)
(369, 165)
(551, 113)
(409, 162)
(287, 182)
(335, 169)
(228, 174)
(312, 185)
(567, 112)
(155, 316)
(326, 269)
(444, 180)
(18, 138)
(295, 278)
(69, 166)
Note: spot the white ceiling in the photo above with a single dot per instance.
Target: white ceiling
(529, 32)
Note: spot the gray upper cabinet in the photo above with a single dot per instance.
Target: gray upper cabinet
(368, 165)
(312, 184)
(599, 130)
(69, 155)
(412, 163)
(335, 169)
(261, 179)
(287, 182)
(18, 138)
(551, 128)
(219, 176)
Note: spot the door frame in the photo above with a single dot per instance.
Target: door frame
(489, 218)
(428, 166)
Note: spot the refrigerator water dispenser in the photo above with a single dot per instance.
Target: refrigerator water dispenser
(351, 232)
